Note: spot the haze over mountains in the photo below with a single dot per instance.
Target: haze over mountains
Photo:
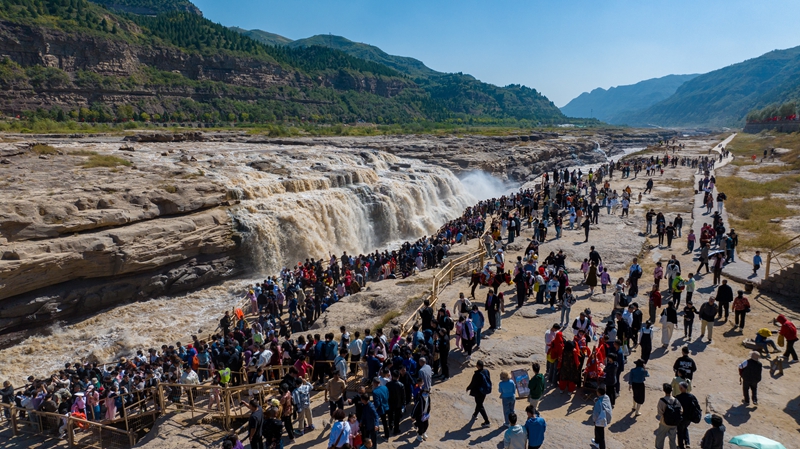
(720, 98)
(607, 105)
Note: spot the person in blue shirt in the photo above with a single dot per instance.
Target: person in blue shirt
(380, 401)
(636, 384)
(477, 324)
(757, 262)
(369, 420)
(535, 426)
(508, 395)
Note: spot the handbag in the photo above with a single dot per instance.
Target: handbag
(781, 340)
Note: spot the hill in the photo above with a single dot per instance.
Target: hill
(605, 105)
(75, 60)
(410, 66)
(725, 96)
(264, 37)
(149, 7)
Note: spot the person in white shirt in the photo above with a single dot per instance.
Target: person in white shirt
(355, 348)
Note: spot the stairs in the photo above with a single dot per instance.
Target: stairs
(784, 282)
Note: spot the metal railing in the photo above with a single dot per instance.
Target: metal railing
(774, 255)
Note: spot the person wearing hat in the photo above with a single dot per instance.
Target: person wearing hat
(749, 377)
(740, 308)
(636, 380)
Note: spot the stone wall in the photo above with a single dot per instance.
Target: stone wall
(785, 282)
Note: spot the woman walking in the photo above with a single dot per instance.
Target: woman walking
(646, 341)
(508, 395)
(669, 319)
(591, 278)
(421, 414)
(740, 308)
(636, 384)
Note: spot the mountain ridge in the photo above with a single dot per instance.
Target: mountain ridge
(606, 104)
(723, 97)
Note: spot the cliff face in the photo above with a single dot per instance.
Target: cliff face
(74, 52)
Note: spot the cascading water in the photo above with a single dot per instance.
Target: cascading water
(343, 202)
(294, 204)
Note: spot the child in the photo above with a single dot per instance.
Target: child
(355, 438)
(688, 319)
(367, 444)
(508, 395)
(459, 328)
(605, 279)
(585, 268)
(757, 262)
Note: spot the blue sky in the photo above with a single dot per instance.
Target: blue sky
(560, 47)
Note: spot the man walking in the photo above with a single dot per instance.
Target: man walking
(692, 413)
(479, 387)
(749, 377)
(708, 313)
(669, 413)
(724, 298)
(601, 417)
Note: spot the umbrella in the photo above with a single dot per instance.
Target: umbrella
(756, 441)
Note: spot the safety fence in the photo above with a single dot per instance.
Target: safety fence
(454, 268)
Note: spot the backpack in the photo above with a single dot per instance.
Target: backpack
(696, 412)
(448, 323)
(672, 412)
(486, 385)
(466, 306)
(623, 300)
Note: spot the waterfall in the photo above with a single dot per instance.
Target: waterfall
(339, 201)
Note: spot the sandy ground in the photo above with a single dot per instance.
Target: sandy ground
(521, 341)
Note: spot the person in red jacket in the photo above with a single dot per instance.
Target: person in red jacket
(789, 333)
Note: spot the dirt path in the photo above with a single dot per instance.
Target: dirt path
(521, 341)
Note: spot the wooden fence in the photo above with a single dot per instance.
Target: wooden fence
(460, 266)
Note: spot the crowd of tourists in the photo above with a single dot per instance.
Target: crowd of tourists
(396, 371)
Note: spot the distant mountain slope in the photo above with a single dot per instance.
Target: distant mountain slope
(725, 96)
(263, 36)
(150, 7)
(605, 104)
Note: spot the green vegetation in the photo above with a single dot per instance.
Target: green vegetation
(780, 111)
(103, 160)
(263, 36)
(43, 149)
(82, 153)
(725, 96)
(752, 203)
(149, 6)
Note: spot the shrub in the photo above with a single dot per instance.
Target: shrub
(102, 160)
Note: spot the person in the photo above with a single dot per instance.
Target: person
(669, 414)
(273, 428)
(724, 298)
(689, 312)
(515, 436)
(368, 424)
(254, 425)
(535, 427)
(708, 313)
(685, 363)
(586, 224)
(421, 414)
(714, 437)
(677, 285)
(340, 431)
(301, 396)
(508, 395)
(425, 373)
(789, 333)
(634, 274)
(740, 308)
(536, 386)
(636, 384)
(397, 401)
(646, 341)
(566, 305)
(691, 413)
(757, 262)
(334, 393)
(669, 319)
(479, 387)
(749, 377)
(654, 303)
(380, 399)
(601, 418)
(287, 410)
(763, 340)
(680, 377)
